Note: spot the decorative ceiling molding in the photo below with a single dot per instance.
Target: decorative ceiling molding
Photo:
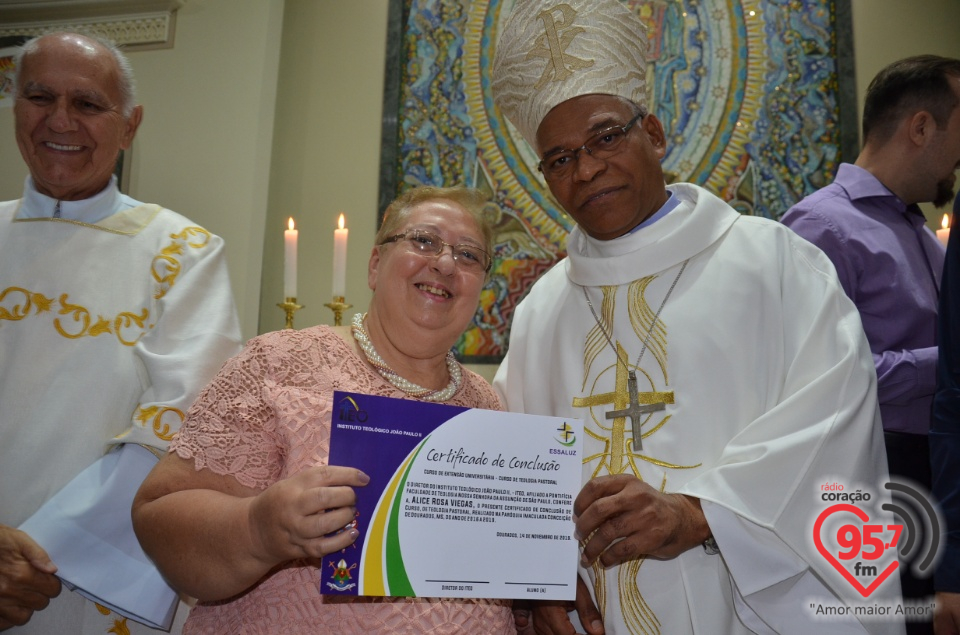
(132, 24)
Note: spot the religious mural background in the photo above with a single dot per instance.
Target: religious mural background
(749, 93)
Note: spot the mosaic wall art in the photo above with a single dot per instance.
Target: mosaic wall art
(749, 93)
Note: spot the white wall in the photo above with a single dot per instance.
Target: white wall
(326, 152)
(205, 146)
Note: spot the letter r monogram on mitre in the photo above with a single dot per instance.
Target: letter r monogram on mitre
(552, 45)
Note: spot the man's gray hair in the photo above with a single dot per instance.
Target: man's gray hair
(127, 83)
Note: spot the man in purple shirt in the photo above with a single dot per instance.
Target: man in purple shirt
(888, 261)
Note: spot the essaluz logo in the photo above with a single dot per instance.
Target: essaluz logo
(866, 545)
(566, 435)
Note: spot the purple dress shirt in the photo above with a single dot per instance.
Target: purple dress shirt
(889, 264)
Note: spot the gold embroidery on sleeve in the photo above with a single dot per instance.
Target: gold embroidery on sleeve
(119, 625)
(78, 324)
(165, 270)
(102, 326)
(43, 302)
(16, 303)
(124, 321)
(18, 311)
(153, 417)
(80, 315)
(166, 265)
(200, 233)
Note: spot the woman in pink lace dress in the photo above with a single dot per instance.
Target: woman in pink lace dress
(241, 509)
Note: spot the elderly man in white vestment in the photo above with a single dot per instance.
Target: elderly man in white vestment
(730, 339)
(113, 315)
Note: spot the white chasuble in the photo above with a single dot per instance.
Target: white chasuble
(108, 331)
(767, 391)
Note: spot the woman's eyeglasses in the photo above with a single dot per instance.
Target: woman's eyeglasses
(429, 244)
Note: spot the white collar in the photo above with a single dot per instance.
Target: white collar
(101, 205)
(699, 220)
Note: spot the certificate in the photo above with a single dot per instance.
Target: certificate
(461, 502)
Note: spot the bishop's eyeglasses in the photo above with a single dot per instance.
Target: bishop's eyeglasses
(468, 256)
(561, 163)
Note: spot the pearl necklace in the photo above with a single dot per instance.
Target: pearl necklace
(426, 394)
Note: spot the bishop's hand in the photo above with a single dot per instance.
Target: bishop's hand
(27, 580)
(621, 518)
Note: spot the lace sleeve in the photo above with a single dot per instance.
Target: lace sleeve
(230, 427)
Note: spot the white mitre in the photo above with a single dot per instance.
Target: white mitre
(552, 51)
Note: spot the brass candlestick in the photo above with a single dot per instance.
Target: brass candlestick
(338, 306)
(289, 307)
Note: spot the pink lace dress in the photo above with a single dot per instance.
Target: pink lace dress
(265, 417)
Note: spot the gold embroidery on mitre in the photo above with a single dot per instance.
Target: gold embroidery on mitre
(153, 416)
(103, 610)
(553, 43)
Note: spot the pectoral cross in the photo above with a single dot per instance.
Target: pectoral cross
(635, 410)
(626, 399)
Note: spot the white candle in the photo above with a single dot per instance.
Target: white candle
(340, 260)
(290, 261)
(944, 234)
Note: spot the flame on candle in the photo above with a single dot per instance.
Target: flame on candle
(946, 222)
(290, 223)
(341, 221)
